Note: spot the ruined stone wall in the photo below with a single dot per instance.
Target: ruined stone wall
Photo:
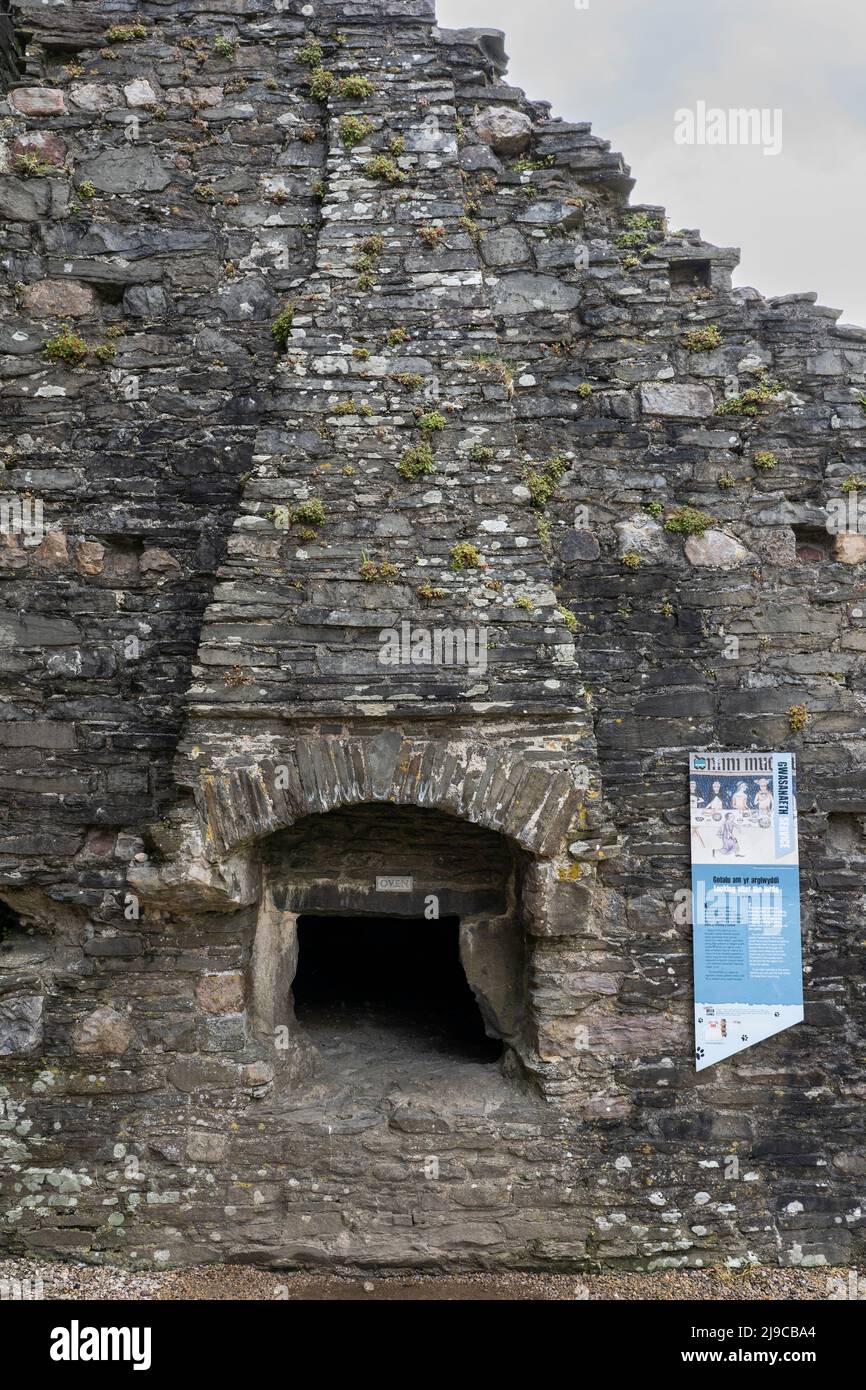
(486, 348)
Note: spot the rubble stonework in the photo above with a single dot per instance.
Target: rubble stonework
(313, 326)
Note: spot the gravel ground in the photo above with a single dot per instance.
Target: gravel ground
(232, 1282)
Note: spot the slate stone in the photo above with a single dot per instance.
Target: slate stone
(527, 293)
(24, 202)
(145, 301)
(19, 339)
(580, 546)
(127, 170)
(505, 247)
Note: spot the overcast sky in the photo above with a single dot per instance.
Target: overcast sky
(799, 217)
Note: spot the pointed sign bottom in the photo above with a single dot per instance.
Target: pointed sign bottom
(723, 1029)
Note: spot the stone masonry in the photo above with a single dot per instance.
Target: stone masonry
(313, 327)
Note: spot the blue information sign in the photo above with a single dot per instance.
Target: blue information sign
(745, 900)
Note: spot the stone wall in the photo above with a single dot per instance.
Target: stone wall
(498, 399)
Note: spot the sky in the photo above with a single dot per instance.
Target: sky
(628, 66)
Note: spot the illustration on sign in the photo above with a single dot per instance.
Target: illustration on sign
(745, 900)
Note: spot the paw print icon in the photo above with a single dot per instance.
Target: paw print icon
(700, 1020)
(699, 1052)
(744, 1037)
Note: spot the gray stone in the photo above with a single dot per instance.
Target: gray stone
(642, 535)
(203, 1147)
(19, 338)
(527, 293)
(96, 96)
(579, 545)
(127, 170)
(505, 247)
(676, 401)
(145, 301)
(716, 550)
(248, 300)
(476, 158)
(24, 202)
(20, 1023)
(506, 130)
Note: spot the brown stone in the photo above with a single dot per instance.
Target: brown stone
(58, 299)
(849, 547)
(853, 1163)
(158, 564)
(12, 555)
(606, 1108)
(99, 844)
(38, 101)
(222, 993)
(47, 147)
(103, 1033)
(52, 552)
(257, 1074)
(198, 96)
(636, 1034)
(89, 557)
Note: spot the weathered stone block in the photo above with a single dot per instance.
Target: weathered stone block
(103, 1033)
(716, 550)
(58, 299)
(221, 993)
(38, 101)
(96, 96)
(528, 293)
(127, 170)
(506, 130)
(20, 1023)
(203, 1147)
(850, 548)
(676, 401)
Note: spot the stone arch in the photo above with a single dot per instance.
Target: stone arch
(209, 861)
(493, 786)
